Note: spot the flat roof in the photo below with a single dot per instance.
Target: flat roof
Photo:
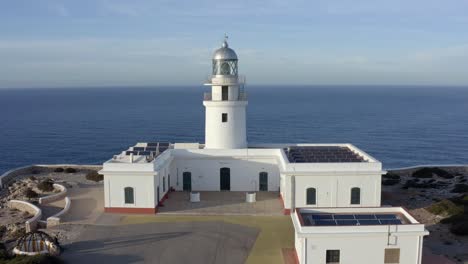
(142, 152)
(322, 154)
(350, 219)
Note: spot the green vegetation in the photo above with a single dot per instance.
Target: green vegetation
(429, 172)
(460, 188)
(18, 233)
(94, 176)
(70, 170)
(390, 178)
(457, 215)
(445, 208)
(391, 175)
(38, 259)
(29, 193)
(46, 185)
(59, 170)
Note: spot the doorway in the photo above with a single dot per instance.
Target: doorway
(225, 179)
(263, 181)
(187, 181)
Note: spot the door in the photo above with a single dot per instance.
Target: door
(263, 181)
(187, 181)
(225, 179)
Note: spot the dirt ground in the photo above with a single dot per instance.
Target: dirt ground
(440, 241)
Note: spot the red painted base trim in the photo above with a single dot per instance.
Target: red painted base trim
(164, 198)
(285, 211)
(297, 257)
(127, 210)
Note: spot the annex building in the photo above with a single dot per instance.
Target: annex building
(332, 191)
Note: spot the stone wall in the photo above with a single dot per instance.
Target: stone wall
(23, 206)
(56, 196)
(55, 219)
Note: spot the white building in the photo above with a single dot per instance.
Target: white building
(305, 175)
(358, 235)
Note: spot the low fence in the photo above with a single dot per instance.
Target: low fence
(56, 196)
(23, 206)
(56, 219)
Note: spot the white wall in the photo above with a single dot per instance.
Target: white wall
(335, 191)
(225, 135)
(357, 248)
(143, 185)
(244, 173)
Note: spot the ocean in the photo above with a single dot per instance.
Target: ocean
(401, 126)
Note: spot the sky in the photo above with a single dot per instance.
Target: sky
(65, 43)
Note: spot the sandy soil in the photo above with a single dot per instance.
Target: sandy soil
(440, 241)
(86, 196)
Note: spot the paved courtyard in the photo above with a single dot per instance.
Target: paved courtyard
(222, 203)
(187, 242)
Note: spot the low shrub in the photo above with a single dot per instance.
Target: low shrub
(460, 229)
(94, 176)
(38, 259)
(18, 233)
(460, 188)
(29, 193)
(429, 172)
(390, 182)
(46, 185)
(58, 169)
(32, 178)
(70, 170)
(391, 175)
(445, 208)
(3, 252)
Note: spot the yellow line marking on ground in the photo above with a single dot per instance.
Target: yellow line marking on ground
(276, 232)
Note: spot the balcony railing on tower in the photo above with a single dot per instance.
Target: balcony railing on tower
(225, 80)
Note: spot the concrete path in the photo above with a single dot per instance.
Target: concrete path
(222, 203)
(188, 242)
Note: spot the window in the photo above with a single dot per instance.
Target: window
(225, 93)
(392, 256)
(355, 195)
(311, 196)
(224, 117)
(129, 195)
(164, 184)
(333, 256)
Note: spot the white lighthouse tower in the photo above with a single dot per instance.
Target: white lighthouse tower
(225, 120)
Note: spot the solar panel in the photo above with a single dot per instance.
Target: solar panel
(322, 216)
(347, 222)
(391, 222)
(350, 219)
(321, 154)
(386, 216)
(365, 216)
(344, 216)
(325, 222)
(369, 222)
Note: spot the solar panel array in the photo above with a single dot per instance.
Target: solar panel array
(350, 219)
(151, 149)
(309, 154)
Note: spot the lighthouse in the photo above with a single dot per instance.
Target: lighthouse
(225, 105)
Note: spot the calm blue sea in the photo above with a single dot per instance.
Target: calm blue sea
(401, 126)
